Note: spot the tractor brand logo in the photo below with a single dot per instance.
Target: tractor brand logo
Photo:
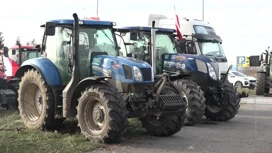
(104, 71)
(180, 58)
(144, 64)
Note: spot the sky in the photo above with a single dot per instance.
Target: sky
(245, 26)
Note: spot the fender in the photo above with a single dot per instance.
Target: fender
(48, 70)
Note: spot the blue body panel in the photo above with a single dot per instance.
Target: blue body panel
(190, 63)
(143, 28)
(47, 69)
(104, 65)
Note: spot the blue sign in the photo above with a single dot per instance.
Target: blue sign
(241, 59)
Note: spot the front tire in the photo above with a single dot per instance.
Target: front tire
(166, 124)
(194, 98)
(36, 102)
(101, 113)
(229, 107)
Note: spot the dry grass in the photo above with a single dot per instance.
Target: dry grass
(14, 138)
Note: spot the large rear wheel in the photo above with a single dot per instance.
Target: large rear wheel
(261, 87)
(36, 102)
(166, 124)
(194, 98)
(101, 113)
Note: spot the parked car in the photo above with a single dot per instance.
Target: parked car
(240, 80)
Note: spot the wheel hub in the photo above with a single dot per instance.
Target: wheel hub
(38, 101)
(98, 115)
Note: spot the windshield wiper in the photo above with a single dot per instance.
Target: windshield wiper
(106, 35)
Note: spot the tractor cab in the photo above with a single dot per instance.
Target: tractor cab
(26, 52)
(135, 41)
(95, 38)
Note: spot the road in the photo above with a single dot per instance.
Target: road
(249, 132)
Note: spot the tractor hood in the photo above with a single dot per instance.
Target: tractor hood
(187, 63)
(125, 69)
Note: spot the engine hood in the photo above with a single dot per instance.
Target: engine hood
(121, 68)
(189, 63)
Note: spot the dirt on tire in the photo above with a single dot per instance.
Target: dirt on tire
(36, 102)
(109, 119)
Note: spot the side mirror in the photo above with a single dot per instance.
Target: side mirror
(261, 58)
(50, 28)
(133, 35)
(6, 51)
(38, 46)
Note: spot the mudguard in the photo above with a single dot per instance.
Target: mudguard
(45, 67)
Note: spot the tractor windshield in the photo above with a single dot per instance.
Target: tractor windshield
(140, 48)
(98, 39)
(211, 49)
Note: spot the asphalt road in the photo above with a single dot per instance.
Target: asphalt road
(249, 132)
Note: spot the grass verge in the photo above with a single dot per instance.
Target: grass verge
(15, 138)
(246, 90)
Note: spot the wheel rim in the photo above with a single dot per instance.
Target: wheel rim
(238, 85)
(184, 97)
(38, 101)
(216, 108)
(34, 98)
(95, 116)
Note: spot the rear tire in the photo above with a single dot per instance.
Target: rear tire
(261, 84)
(101, 113)
(36, 102)
(229, 108)
(167, 124)
(195, 100)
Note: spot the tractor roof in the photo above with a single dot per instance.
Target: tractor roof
(25, 47)
(143, 28)
(82, 22)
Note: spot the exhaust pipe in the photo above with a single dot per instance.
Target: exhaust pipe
(153, 47)
(69, 89)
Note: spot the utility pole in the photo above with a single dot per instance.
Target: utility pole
(202, 10)
(96, 8)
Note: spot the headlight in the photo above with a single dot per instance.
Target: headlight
(137, 74)
(211, 71)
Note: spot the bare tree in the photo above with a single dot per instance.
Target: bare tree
(1, 41)
(33, 42)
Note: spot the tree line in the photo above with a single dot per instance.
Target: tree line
(31, 42)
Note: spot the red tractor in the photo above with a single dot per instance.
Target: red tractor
(10, 61)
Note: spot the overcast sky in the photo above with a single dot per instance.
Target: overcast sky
(244, 25)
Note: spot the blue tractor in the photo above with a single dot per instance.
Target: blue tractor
(81, 74)
(222, 102)
(135, 42)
